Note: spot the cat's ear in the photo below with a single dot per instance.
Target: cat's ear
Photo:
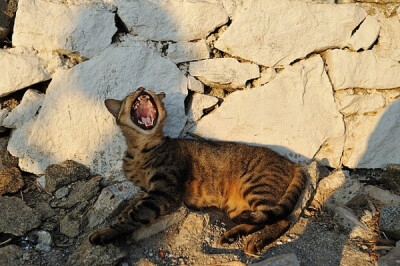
(161, 96)
(113, 106)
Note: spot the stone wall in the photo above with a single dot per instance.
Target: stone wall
(310, 80)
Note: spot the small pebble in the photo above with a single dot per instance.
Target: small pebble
(26, 256)
(151, 254)
(41, 181)
(364, 247)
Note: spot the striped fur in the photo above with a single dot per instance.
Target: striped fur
(255, 186)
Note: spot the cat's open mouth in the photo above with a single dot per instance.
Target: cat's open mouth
(144, 111)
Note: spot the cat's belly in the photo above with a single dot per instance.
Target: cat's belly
(226, 196)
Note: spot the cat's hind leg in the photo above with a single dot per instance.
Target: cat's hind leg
(242, 229)
(255, 243)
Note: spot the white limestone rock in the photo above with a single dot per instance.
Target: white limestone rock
(199, 103)
(3, 114)
(82, 29)
(264, 30)
(172, 20)
(362, 70)
(20, 71)
(188, 51)
(384, 197)
(366, 35)
(266, 76)
(360, 104)
(30, 104)
(293, 114)
(110, 202)
(73, 122)
(328, 154)
(389, 37)
(372, 140)
(224, 73)
(195, 85)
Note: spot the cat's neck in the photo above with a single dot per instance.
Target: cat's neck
(139, 142)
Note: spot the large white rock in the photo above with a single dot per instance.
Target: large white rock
(294, 113)
(366, 35)
(224, 73)
(275, 33)
(73, 122)
(172, 20)
(20, 71)
(188, 51)
(372, 141)
(195, 85)
(389, 37)
(359, 104)
(45, 25)
(27, 109)
(199, 103)
(362, 70)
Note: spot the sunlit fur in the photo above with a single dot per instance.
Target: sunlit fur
(255, 186)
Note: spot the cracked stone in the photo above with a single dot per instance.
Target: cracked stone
(389, 37)
(16, 217)
(50, 26)
(110, 202)
(30, 104)
(315, 27)
(174, 20)
(371, 140)
(82, 191)
(366, 35)
(360, 104)
(365, 70)
(286, 119)
(188, 51)
(58, 175)
(224, 73)
(20, 71)
(199, 103)
(195, 85)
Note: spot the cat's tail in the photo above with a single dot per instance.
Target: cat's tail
(292, 195)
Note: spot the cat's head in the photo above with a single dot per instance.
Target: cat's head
(142, 110)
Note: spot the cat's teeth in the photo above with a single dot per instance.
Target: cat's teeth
(147, 121)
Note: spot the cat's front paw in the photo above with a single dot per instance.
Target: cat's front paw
(102, 236)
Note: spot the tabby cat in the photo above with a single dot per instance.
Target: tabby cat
(255, 186)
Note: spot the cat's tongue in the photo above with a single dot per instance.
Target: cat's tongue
(145, 116)
(145, 111)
